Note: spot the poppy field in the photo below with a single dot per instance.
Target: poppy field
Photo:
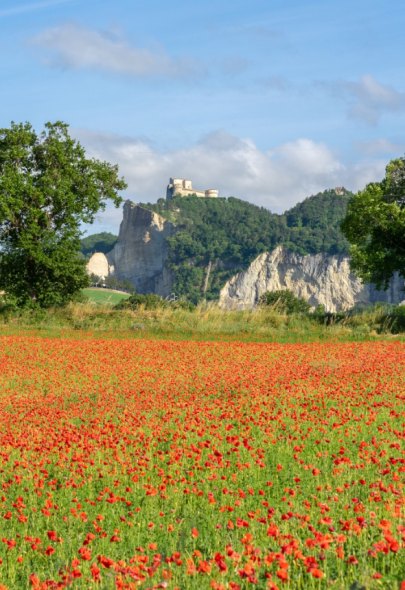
(160, 464)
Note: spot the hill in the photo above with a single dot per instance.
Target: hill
(102, 242)
(220, 237)
(313, 225)
(217, 238)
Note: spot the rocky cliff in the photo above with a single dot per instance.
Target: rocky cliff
(320, 279)
(140, 253)
(98, 265)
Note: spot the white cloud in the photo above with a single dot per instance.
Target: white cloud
(76, 47)
(359, 174)
(381, 146)
(276, 179)
(369, 99)
(24, 8)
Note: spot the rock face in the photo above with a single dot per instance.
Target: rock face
(319, 279)
(140, 253)
(98, 265)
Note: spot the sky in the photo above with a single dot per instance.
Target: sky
(268, 100)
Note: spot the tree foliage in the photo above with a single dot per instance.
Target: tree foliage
(101, 242)
(284, 301)
(48, 187)
(375, 227)
(314, 224)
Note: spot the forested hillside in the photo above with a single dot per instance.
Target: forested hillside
(102, 242)
(314, 224)
(217, 238)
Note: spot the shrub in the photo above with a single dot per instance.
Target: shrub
(328, 318)
(285, 301)
(149, 301)
(152, 301)
(394, 320)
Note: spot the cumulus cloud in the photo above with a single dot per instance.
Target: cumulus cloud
(73, 46)
(368, 99)
(276, 178)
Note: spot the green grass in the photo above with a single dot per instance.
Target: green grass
(206, 322)
(104, 296)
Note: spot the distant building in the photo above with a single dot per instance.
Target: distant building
(340, 190)
(184, 188)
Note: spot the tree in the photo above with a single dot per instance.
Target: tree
(375, 227)
(48, 187)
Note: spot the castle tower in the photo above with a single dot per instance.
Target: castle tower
(211, 193)
(184, 188)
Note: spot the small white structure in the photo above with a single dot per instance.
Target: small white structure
(184, 188)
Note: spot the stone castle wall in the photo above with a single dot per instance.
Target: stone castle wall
(184, 188)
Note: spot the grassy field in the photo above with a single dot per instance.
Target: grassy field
(201, 465)
(107, 297)
(206, 322)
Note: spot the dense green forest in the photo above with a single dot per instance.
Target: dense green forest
(314, 224)
(102, 242)
(217, 238)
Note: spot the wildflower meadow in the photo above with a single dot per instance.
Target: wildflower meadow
(201, 465)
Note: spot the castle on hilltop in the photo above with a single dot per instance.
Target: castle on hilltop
(184, 188)
(340, 190)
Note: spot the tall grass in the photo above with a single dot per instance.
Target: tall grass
(205, 322)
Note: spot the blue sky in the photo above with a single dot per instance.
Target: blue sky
(267, 100)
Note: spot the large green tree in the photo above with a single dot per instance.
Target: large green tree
(375, 227)
(48, 187)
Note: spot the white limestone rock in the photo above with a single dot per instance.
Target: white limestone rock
(320, 279)
(98, 265)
